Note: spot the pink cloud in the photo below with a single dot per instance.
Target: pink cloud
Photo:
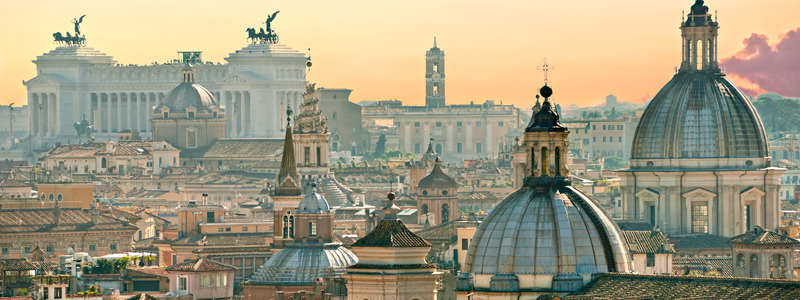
(767, 68)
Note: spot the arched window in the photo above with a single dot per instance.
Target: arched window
(754, 272)
(439, 148)
(557, 159)
(288, 225)
(545, 162)
(424, 209)
(103, 163)
(777, 266)
(445, 213)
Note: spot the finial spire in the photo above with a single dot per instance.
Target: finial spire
(391, 210)
(434, 42)
(289, 112)
(545, 67)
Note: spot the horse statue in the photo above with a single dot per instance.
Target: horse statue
(84, 128)
(69, 39)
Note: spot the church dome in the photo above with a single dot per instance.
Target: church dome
(699, 115)
(300, 265)
(548, 237)
(437, 178)
(189, 94)
(313, 203)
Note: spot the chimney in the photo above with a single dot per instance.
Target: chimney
(94, 211)
(56, 214)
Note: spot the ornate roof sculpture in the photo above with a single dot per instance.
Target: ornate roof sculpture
(310, 119)
(699, 114)
(546, 236)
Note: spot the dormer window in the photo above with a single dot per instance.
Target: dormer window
(190, 115)
(214, 115)
(166, 115)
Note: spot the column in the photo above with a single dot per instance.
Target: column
(108, 113)
(33, 112)
(119, 112)
(489, 148)
(54, 128)
(45, 115)
(229, 113)
(468, 146)
(138, 109)
(248, 114)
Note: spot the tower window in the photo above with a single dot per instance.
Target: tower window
(558, 161)
(545, 162)
(312, 228)
(436, 67)
(436, 89)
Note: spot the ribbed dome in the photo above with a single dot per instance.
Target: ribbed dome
(189, 94)
(699, 115)
(313, 203)
(299, 265)
(552, 233)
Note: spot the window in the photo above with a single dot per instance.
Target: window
(700, 218)
(747, 217)
(464, 244)
(604, 127)
(190, 114)
(478, 124)
(585, 141)
(545, 162)
(651, 260)
(112, 247)
(28, 250)
(307, 155)
(60, 197)
(222, 279)
(604, 139)
(4, 251)
(214, 115)
(244, 228)
(459, 124)
(227, 229)
(619, 139)
(416, 124)
(49, 249)
(205, 280)
(478, 148)
(459, 148)
(312, 228)
(435, 89)
(92, 248)
(594, 127)
(46, 292)
(51, 197)
(191, 139)
(619, 127)
(416, 148)
(319, 156)
(438, 124)
(220, 229)
(166, 115)
(182, 283)
(57, 293)
(594, 139)
(210, 217)
(500, 124)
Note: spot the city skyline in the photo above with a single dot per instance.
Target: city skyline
(492, 50)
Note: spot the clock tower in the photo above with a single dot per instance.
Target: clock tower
(434, 77)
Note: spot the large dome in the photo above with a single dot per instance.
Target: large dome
(188, 94)
(300, 265)
(699, 115)
(544, 237)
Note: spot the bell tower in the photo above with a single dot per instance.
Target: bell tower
(699, 36)
(546, 143)
(434, 77)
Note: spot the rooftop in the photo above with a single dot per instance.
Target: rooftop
(200, 265)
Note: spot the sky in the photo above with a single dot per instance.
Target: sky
(628, 48)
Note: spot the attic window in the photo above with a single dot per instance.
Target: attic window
(166, 115)
(424, 192)
(444, 192)
(190, 114)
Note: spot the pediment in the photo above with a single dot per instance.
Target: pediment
(752, 192)
(41, 80)
(699, 193)
(647, 194)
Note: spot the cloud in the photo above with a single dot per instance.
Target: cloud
(766, 68)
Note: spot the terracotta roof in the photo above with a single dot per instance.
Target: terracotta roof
(633, 225)
(391, 233)
(703, 265)
(142, 296)
(16, 264)
(200, 265)
(763, 237)
(446, 231)
(157, 271)
(649, 241)
(9, 182)
(702, 241)
(628, 286)
(238, 148)
(70, 219)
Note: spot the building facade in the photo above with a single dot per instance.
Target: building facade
(256, 84)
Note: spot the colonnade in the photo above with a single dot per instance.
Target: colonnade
(44, 110)
(113, 112)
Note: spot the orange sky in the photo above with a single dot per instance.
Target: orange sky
(622, 47)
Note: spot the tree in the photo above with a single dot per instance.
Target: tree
(614, 163)
(778, 115)
(380, 146)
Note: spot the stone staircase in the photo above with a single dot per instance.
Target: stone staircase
(333, 194)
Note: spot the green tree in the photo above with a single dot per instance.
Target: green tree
(614, 163)
(380, 147)
(779, 115)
